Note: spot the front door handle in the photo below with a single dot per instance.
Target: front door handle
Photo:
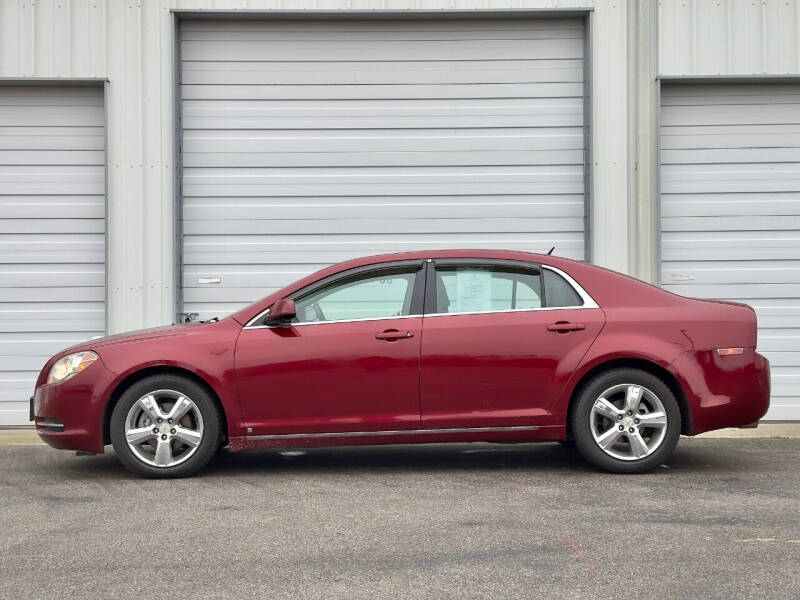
(565, 327)
(391, 335)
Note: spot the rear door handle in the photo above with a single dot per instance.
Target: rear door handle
(565, 327)
(391, 335)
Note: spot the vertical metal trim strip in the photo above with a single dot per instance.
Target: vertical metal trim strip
(657, 199)
(106, 294)
(588, 154)
(177, 165)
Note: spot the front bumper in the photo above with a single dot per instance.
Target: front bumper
(69, 415)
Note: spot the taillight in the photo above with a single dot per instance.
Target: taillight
(729, 351)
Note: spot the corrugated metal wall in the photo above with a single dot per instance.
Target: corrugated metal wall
(729, 37)
(131, 43)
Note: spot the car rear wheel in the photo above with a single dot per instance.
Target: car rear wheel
(626, 421)
(165, 426)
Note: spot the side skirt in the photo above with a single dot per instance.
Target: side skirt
(524, 433)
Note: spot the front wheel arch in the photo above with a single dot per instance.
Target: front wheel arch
(644, 365)
(159, 370)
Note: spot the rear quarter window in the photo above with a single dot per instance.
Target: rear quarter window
(557, 292)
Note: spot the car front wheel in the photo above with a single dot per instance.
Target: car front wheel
(626, 421)
(165, 426)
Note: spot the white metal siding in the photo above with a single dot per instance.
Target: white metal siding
(728, 37)
(52, 231)
(730, 211)
(131, 44)
(306, 143)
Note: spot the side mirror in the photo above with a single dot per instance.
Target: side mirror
(282, 311)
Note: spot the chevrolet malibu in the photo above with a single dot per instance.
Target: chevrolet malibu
(419, 347)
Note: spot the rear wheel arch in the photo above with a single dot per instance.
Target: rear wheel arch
(644, 365)
(132, 378)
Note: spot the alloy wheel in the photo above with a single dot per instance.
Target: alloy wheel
(628, 422)
(164, 428)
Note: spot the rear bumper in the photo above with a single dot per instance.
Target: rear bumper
(723, 391)
(69, 415)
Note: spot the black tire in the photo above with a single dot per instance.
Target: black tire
(205, 404)
(581, 429)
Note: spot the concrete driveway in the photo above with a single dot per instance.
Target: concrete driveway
(721, 520)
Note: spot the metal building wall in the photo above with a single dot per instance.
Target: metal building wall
(729, 37)
(131, 44)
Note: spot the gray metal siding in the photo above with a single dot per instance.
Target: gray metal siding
(307, 143)
(730, 211)
(52, 231)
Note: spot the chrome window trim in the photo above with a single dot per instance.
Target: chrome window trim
(382, 432)
(263, 314)
(588, 303)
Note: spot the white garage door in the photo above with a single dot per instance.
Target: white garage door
(52, 223)
(730, 211)
(307, 143)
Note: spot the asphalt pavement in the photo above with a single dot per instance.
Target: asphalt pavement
(720, 520)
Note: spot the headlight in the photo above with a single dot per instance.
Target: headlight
(70, 365)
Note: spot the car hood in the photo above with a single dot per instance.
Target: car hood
(130, 336)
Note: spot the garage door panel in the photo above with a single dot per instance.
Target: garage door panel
(380, 91)
(713, 205)
(254, 251)
(53, 116)
(388, 188)
(52, 157)
(723, 272)
(344, 49)
(729, 156)
(744, 93)
(377, 226)
(401, 72)
(238, 114)
(17, 138)
(441, 120)
(28, 275)
(732, 246)
(55, 207)
(384, 159)
(56, 248)
(373, 137)
(344, 176)
(64, 322)
(52, 224)
(730, 221)
(73, 294)
(393, 28)
(62, 96)
(391, 140)
(731, 136)
(778, 360)
(384, 27)
(731, 114)
(374, 32)
(733, 223)
(731, 290)
(391, 207)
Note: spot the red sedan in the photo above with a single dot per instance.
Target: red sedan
(419, 347)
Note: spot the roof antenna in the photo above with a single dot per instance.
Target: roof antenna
(549, 252)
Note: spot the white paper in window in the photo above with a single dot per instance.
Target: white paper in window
(473, 291)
